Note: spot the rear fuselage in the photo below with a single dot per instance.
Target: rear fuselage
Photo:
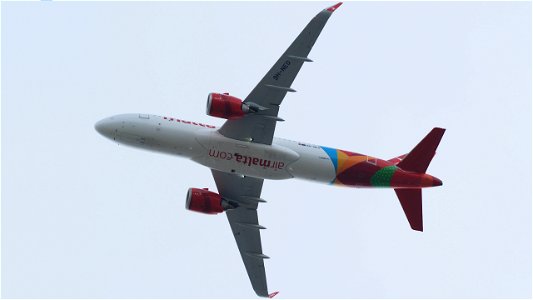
(283, 159)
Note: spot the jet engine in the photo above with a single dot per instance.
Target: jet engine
(226, 106)
(204, 201)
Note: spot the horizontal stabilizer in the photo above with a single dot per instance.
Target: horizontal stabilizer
(411, 201)
(419, 158)
(397, 159)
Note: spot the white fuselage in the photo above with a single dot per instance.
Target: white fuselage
(203, 144)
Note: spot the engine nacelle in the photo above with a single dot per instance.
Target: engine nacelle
(226, 106)
(204, 201)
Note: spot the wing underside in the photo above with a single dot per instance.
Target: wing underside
(258, 127)
(270, 91)
(244, 223)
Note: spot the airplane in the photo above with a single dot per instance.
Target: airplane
(244, 152)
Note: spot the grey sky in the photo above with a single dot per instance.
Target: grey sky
(83, 217)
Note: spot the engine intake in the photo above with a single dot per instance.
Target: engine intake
(204, 201)
(226, 106)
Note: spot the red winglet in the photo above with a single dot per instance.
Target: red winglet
(272, 295)
(334, 7)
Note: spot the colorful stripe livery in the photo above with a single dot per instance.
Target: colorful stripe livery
(358, 170)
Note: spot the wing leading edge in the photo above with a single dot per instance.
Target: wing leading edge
(270, 91)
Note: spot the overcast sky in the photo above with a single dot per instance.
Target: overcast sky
(85, 218)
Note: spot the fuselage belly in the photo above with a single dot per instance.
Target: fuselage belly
(283, 159)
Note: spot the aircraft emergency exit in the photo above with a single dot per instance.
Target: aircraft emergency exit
(244, 152)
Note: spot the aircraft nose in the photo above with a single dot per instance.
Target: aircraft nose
(437, 182)
(106, 127)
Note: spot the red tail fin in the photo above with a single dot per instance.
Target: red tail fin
(411, 200)
(419, 158)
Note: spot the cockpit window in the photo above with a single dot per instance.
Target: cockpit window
(143, 116)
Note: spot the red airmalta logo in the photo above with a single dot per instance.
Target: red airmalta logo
(247, 160)
(189, 122)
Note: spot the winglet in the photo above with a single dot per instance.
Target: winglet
(272, 295)
(334, 7)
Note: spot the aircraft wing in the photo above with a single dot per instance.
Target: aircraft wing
(269, 93)
(246, 191)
